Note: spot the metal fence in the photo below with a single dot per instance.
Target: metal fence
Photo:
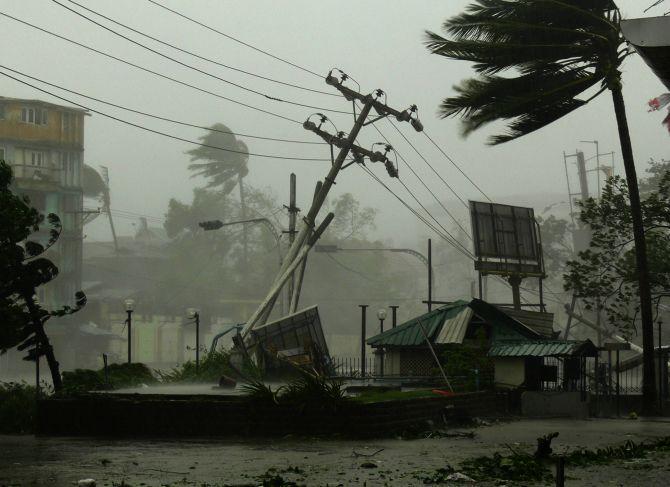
(350, 368)
(606, 380)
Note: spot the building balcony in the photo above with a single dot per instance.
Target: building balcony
(46, 174)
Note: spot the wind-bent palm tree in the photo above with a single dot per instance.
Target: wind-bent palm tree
(223, 168)
(555, 51)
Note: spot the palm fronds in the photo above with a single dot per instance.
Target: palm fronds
(556, 51)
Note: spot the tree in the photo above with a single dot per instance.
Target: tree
(224, 162)
(23, 271)
(557, 50)
(607, 270)
(351, 221)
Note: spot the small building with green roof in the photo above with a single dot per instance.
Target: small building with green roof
(516, 341)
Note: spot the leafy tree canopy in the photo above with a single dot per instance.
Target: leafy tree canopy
(607, 268)
(22, 270)
(222, 158)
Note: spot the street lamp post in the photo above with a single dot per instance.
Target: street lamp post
(130, 305)
(195, 315)
(381, 314)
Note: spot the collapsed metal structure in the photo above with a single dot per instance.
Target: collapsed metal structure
(292, 269)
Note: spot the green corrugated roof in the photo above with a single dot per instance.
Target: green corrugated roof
(541, 348)
(410, 334)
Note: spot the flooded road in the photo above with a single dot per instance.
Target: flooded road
(28, 460)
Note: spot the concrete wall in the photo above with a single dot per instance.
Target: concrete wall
(509, 371)
(553, 405)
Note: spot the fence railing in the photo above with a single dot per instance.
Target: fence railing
(350, 368)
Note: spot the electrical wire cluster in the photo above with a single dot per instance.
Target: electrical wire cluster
(378, 152)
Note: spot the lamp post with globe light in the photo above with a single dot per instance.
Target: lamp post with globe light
(381, 314)
(130, 307)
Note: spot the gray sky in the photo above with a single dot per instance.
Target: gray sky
(379, 43)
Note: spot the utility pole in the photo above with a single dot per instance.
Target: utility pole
(292, 217)
(345, 146)
(106, 205)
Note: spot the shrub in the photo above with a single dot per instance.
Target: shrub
(212, 366)
(118, 376)
(309, 391)
(17, 407)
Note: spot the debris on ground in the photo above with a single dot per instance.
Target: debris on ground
(459, 477)
(354, 453)
(86, 483)
(369, 465)
(544, 445)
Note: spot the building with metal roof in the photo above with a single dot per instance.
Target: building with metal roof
(518, 341)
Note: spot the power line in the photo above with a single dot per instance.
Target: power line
(194, 68)
(431, 216)
(269, 156)
(155, 73)
(235, 39)
(354, 271)
(456, 165)
(439, 202)
(210, 60)
(429, 164)
(158, 117)
(449, 239)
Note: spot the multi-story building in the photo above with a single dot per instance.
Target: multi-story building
(44, 144)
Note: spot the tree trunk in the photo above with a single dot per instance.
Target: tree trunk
(44, 344)
(648, 378)
(245, 234)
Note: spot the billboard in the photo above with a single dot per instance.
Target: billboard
(506, 239)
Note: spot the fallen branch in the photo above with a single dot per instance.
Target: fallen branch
(354, 453)
(167, 471)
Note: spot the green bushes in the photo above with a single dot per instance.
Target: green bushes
(17, 407)
(309, 391)
(212, 367)
(118, 376)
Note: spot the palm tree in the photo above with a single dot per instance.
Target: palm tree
(224, 168)
(555, 51)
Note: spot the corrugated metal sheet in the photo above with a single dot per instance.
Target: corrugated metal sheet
(453, 330)
(409, 334)
(544, 348)
(503, 323)
(543, 323)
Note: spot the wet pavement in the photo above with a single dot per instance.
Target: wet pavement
(29, 460)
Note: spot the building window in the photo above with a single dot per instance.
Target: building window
(38, 158)
(35, 116)
(2, 153)
(2, 111)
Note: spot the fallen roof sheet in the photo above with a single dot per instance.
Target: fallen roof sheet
(410, 334)
(454, 328)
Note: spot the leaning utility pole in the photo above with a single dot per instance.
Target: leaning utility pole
(346, 145)
(292, 216)
(106, 202)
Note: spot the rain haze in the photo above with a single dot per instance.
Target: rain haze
(378, 43)
(389, 349)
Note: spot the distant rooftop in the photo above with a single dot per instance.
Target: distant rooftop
(44, 104)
